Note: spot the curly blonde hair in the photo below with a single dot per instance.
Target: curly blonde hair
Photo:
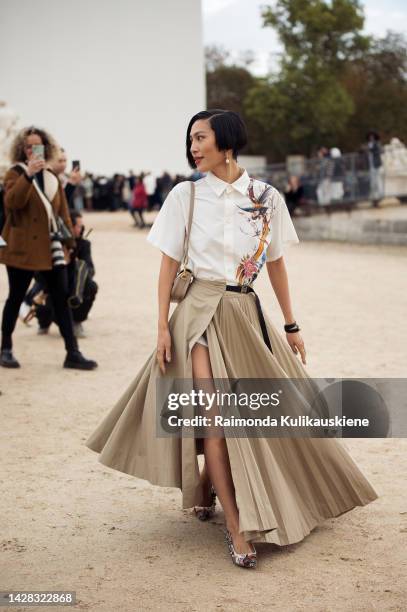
(17, 153)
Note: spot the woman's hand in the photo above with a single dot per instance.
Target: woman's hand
(75, 176)
(163, 347)
(35, 165)
(297, 344)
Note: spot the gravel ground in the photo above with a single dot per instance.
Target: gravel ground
(69, 523)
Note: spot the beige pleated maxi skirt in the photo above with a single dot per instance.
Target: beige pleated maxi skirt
(285, 486)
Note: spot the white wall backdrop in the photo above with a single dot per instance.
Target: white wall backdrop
(116, 82)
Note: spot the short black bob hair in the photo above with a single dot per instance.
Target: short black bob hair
(229, 128)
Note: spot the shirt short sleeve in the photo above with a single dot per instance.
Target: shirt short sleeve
(282, 230)
(168, 230)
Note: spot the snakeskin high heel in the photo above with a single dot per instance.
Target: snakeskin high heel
(204, 513)
(240, 559)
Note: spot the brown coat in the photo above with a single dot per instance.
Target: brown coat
(26, 228)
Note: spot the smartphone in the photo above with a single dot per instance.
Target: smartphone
(76, 164)
(38, 150)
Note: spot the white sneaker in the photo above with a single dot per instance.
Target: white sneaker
(78, 330)
(24, 310)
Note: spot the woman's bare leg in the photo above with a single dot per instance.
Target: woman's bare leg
(217, 458)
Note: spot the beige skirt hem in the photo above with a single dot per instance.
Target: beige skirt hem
(285, 487)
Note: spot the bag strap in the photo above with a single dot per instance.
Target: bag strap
(47, 205)
(188, 231)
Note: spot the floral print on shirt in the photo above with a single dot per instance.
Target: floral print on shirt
(261, 211)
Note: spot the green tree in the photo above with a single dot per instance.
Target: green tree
(325, 33)
(377, 83)
(333, 84)
(306, 104)
(227, 85)
(298, 113)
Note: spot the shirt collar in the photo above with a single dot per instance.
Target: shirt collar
(219, 186)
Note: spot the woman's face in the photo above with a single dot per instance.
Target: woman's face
(32, 139)
(203, 147)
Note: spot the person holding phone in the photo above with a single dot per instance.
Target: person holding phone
(33, 199)
(69, 181)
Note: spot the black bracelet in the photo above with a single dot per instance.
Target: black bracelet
(291, 328)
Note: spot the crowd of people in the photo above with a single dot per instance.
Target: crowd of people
(133, 192)
(323, 183)
(329, 179)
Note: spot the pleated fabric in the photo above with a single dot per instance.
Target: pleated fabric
(285, 487)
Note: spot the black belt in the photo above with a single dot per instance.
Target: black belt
(247, 289)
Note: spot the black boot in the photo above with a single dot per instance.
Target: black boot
(75, 359)
(7, 360)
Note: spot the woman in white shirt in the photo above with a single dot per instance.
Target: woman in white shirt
(271, 489)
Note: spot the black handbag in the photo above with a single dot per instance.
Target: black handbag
(81, 278)
(64, 233)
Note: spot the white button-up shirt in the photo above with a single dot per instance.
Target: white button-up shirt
(236, 227)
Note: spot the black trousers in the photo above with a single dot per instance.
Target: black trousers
(36, 288)
(56, 283)
(137, 214)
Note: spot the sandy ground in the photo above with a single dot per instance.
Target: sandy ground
(69, 523)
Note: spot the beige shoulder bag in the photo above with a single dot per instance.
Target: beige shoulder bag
(184, 276)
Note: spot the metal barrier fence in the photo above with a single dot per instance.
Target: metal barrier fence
(346, 180)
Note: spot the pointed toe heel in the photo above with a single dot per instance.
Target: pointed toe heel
(247, 560)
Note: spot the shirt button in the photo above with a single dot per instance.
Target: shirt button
(228, 189)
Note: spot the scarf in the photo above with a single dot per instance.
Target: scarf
(50, 189)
